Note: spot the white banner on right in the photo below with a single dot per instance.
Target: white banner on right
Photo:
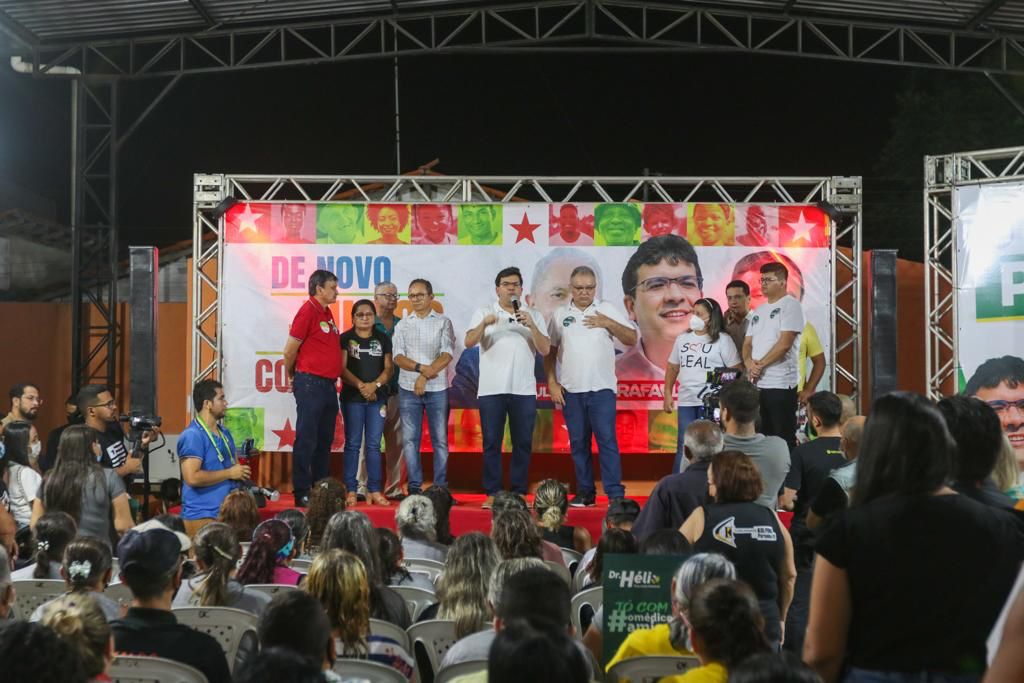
(989, 233)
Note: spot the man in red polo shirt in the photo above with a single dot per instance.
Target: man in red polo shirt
(312, 357)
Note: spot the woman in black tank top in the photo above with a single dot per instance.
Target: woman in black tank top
(748, 534)
(552, 503)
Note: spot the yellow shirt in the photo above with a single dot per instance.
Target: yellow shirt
(647, 642)
(810, 346)
(710, 673)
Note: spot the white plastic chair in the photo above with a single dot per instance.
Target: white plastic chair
(31, 593)
(301, 566)
(571, 558)
(592, 597)
(234, 629)
(270, 589)
(450, 673)
(125, 669)
(365, 671)
(119, 593)
(650, 669)
(434, 637)
(416, 599)
(561, 570)
(431, 568)
(379, 627)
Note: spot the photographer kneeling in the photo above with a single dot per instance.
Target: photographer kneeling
(209, 467)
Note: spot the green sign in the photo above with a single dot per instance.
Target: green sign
(637, 594)
(1000, 294)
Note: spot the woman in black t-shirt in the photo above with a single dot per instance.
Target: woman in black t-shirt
(909, 580)
(748, 534)
(366, 367)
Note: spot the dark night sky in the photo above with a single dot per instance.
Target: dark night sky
(544, 114)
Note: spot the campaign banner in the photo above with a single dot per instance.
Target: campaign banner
(637, 594)
(272, 248)
(989, 229)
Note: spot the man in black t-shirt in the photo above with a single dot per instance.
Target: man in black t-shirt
(150, 564)
(810, 465)
(835, 492)
(99, 409)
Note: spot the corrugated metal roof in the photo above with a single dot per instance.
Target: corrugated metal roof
(61, 21)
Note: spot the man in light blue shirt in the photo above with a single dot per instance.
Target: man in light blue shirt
(209, 466)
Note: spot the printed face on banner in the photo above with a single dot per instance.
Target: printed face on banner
(711, 225)
(653, 279)
(989, 233)
(757, 225)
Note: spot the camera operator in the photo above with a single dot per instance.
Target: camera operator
(99, 409)
(209, 468)
(703, 348)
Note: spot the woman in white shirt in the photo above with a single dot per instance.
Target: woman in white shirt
(21, 443)
(696, 352)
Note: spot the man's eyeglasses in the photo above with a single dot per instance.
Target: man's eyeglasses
(1003, 407)
(585, 288)
(687, 283)
(416, 297)
(769, 280)
(507, 283)
(390, 297)
(109, 404)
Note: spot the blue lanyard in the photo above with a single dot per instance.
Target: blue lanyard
(220, 455)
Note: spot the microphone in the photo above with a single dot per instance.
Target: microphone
(269, 494)
(515, 308)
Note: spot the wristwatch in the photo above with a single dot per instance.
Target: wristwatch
(378, 384)
(417, 367)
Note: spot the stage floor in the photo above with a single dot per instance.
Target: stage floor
(466, 516)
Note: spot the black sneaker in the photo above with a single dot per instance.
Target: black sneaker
(361, 497)
(301, 500)
(415, 491)
(582, 500)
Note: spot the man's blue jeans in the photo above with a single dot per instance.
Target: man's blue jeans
(411, 408)
(521, 412)
(316, 406)
(363, 420)
(593, 412)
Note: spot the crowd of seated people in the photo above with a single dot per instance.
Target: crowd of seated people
(904, 551)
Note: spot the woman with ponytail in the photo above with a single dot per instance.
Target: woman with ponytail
(269, 555)
(725, 626)
(50, 536)
(86, 570)
(217, 551)
(551, 501)
(80, 622)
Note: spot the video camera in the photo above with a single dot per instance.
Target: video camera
(141, 423)
(715, 382)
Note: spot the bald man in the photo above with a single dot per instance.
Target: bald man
(835, 492)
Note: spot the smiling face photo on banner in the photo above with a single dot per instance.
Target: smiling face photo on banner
(340, 224)
(617, 225)
(711, 225)
(664, 219)
(433, 224)
(390, 222)
(480, 224)
(294, 224)
(571, 225)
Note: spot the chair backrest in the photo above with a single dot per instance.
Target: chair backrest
(360, 670)
(594, 597)
(227, 624)
(561, 570)
(119, 593)
(31, 593)
(571, 558)
(301, 566)
(125, 669)
(270, 589)
(416, 599)
(450, 673)
(434, 637)
(432, 573)
(650, 669)
(379, 627)
(423, 563)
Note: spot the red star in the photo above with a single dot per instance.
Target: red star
(286, 435)
(524, 230)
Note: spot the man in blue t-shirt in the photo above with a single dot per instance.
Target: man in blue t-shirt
(209, 468)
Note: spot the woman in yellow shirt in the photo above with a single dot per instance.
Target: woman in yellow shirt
(725, 626)
(671, 638)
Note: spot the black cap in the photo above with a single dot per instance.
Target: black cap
(154, 551)
(623, 507)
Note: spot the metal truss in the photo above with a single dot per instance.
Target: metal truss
(840, 196)
(943, 174)
(558, 24)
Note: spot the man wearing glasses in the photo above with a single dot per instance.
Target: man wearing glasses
(25, 404)
(582, 335)
(509, 335)
(423, 346)
(661, 282)
(770, 353)
(99, 409)
(1000, 383)
(385, 300)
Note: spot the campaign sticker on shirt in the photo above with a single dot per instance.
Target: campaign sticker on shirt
(568, 321)
(324, 326)
(775, 312)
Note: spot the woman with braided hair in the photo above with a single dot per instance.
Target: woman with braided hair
(269, 555)
(551, 501)
(86, 571)
(217, 551)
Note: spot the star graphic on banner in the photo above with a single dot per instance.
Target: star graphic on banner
(286, 435)
(524, 230)
(247, 220)
(801, 228)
